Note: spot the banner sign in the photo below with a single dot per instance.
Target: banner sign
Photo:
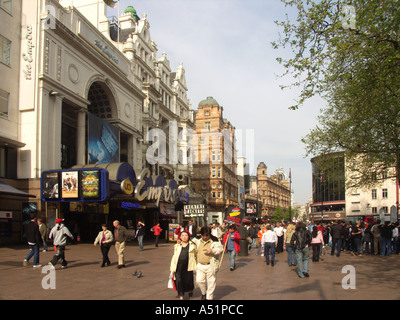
(234, 215)
(103, 146)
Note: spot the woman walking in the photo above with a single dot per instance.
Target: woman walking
(288, 247)
(316, 243)
(183, 263)
(105, 238)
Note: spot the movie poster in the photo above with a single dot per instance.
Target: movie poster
(103, 146)
(91, 184)
(69, 184)
(50, 185)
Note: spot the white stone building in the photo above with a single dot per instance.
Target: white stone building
(66, 67)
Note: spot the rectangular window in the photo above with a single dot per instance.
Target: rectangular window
(219, 172)
(208, 125)
(374, 194)
(5, 50)
(220, 195)
(213, 195)
(374, 210)
(6, 5)
(4, 102)
(213, 174)
(384, 193)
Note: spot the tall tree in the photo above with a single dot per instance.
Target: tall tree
(348, 52)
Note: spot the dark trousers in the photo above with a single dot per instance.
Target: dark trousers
(104, 251)
(336, 243)
(279, 247)
(269, 247)
(316, 251)
(157, 239)
(60, 255)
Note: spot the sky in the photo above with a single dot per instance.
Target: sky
(225, 47)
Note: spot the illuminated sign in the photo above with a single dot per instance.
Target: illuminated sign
(74, 185)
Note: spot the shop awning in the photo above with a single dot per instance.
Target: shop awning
(6, 189)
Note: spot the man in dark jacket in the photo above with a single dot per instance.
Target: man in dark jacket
(33, 238)
(337, 238)
(301, 241)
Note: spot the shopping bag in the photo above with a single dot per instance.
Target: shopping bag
(171, 281)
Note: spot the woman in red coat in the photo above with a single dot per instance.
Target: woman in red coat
(232, 246)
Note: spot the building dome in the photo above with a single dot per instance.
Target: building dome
(262, 165)
(209, 101)
(133, 12)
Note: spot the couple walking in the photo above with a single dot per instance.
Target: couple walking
(201, 255)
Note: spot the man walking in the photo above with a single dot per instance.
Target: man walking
(208, 253)
(120, 236)
(301, 240)
(337, 238)
(59, 234)
(33, 238)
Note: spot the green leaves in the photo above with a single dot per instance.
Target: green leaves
(351, 57)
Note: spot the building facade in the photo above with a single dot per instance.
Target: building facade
(215, 161)
(76, 76)
(273, 191)
(333, 199)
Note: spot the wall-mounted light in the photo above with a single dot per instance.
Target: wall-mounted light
(53, 93)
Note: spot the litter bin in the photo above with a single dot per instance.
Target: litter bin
(244, 248)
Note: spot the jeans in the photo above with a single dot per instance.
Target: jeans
(291, 255)
(35, 253)
(302, 256)
(269, 246)
(140, 240)
(336, 243)
(386, 243)
(232, 256)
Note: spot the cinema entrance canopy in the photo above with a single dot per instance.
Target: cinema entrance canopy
(91, 195)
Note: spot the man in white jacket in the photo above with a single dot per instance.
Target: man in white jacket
(59, 235)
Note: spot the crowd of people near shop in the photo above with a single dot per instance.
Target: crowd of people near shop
(202, 249)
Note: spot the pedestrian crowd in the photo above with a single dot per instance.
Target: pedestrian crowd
(201, 250)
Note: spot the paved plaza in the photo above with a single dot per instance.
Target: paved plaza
(376, 277)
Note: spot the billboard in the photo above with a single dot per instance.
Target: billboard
(103, 142)
(74, 185)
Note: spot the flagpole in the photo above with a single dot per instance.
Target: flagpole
(118, 19)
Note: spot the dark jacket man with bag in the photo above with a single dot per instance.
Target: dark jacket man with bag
(301, 241)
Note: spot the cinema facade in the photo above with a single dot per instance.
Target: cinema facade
(87, 99)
